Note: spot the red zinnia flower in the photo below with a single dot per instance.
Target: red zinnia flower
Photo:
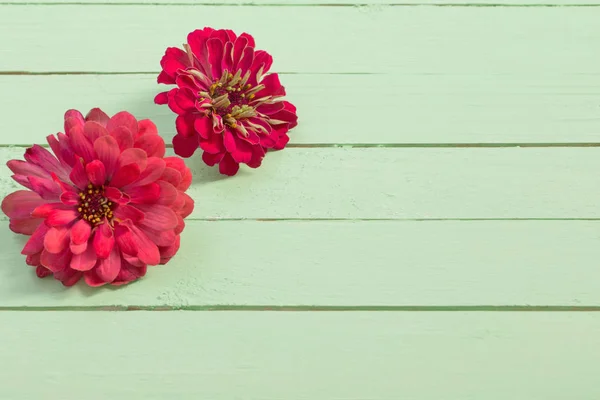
(226, 102)
(105, 205)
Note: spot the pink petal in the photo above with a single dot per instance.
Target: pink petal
(69, 198)
(179, 165)
(185, 146)
(125, 239)
(167, 252)
(21, 203)
(42, 272)
(162, 98)
(161, 238)
(113, 194)
(72, 123)
(35, 244)
(238, 48)
(123, 136)
(109, 268)
(147, 251)
(93, 130)
(153, 171)
(125, 119)
(129, 273)
(81, 145)
(188, 206)
(228, 166)
(272, 87)
(84, 261)
(145, 127)
(46, 209)
(47, 188)
(158, 217)
(168, 193)
(203, 126)
(133, 156)
(180, 225)
(107, 150)
(126, 212)
(229, 141)
(78, 248)
(173, 102)
(243, 151)
(133, 260)
(96, 172)
(144, 194)
(104, 241)
(68, 276)
(21, 167)
(152, 144)
(163, 77)
(34, 259)
(185, 99)
(80, 232)
(76, 115)
(213, 145)
(227, 63)
(78, 175)
(257, 156)
(246, 60)
(56, 240)
(61, 217)
(171, 175)
(56, 262)
(24, 226)
(98, 116)
(92, 279)
(125, 175)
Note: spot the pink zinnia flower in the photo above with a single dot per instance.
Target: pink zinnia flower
(226, 102)
(105, 205)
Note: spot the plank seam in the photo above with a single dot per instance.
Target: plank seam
(340, 5)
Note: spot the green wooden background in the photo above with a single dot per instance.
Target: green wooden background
(431, 232)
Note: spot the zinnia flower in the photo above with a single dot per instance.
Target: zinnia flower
(105, 206)
(226, 102)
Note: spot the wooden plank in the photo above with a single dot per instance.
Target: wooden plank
(554, 41)
(323, 3)
(421, 108)
(376, 263)
(300, 356)
(395, 183)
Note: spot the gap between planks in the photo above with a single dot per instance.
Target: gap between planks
(307, 308)
(275, 4)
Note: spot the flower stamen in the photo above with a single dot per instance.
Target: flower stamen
(94, 207)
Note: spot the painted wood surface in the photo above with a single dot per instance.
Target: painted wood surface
(404, 188)
(406, 108)
(300, 356)
(342, 263)
(395, 183)
(554, 41)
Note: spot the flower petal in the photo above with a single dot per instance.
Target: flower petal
(42, 272)
(25, 226)
(107, 150)
(93, 130)
(122, 118)
(84, 261)
(125, 175)
(125, 240)
(212, 159)
(35, 244)
(153, 171)
(92, 279)
(98, 116)
(215, 56)
(158, 217)
(78, 175)
(123, 136)
(96, 172)
(125, 212)
(78, 248)
(47, 188)
(228, 166)
(129, 273)
(56, 240)
(80, 232)
(81, 145)
(152, 144)
(184, 124)
(56, 262)
(109, 268)
(68, 276)
(21, 167)
(147, 251)
(20, 204)
(69, 198)
(144, 194)
(185, 146)
(168, 193)
(133, 156)
(104, 241)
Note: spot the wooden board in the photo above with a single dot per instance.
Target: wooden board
(395, 183)
(336, 3)
(445, 263)
(300, 356)
(527, 41)
(410, 109)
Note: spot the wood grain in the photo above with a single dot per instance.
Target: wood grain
(300, 356)
(398, 183)
(554, 41)
(325, 3)
(444, 263)
(402, 108)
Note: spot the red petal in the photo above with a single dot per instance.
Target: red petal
(188, 206)
(161, 238)
(125, 175)
(146, 194)
(42, 272)
(46, 209)
(96, 172)
(184, 124)
(145, 126)
(213, 145)
(78, 248)
(93, 130)
(171, 175)
(169, 251)
(126, 212)
(84, 261)
(133, 156)
(162, 98)
(20, 204)
(92, 279)
(107, 150)
(203, 125)
(153, 171)
(113, 194)
(98, 116)
(215, 56)
(103, 241)
(21, 167)
(158, 217)
(80, 232)
(123, 136)
(61, 217)
(228, 166)
(125, 239)
(147, 251)
(78, 175)
(56, 262)
(185, 99)
(24, 226)
(185, 146)
(68, 276)
(124, 119)
(152, 144)
(246, 60)
(129, 273)
(212, 159)
(81, 145)
(56, 240)
(47, 188)
(168, 192)
(69, 198)
(35, 244)
(109, 268)
(243, 151)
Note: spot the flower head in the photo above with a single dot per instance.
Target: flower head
(105, 206)
(227, 103)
